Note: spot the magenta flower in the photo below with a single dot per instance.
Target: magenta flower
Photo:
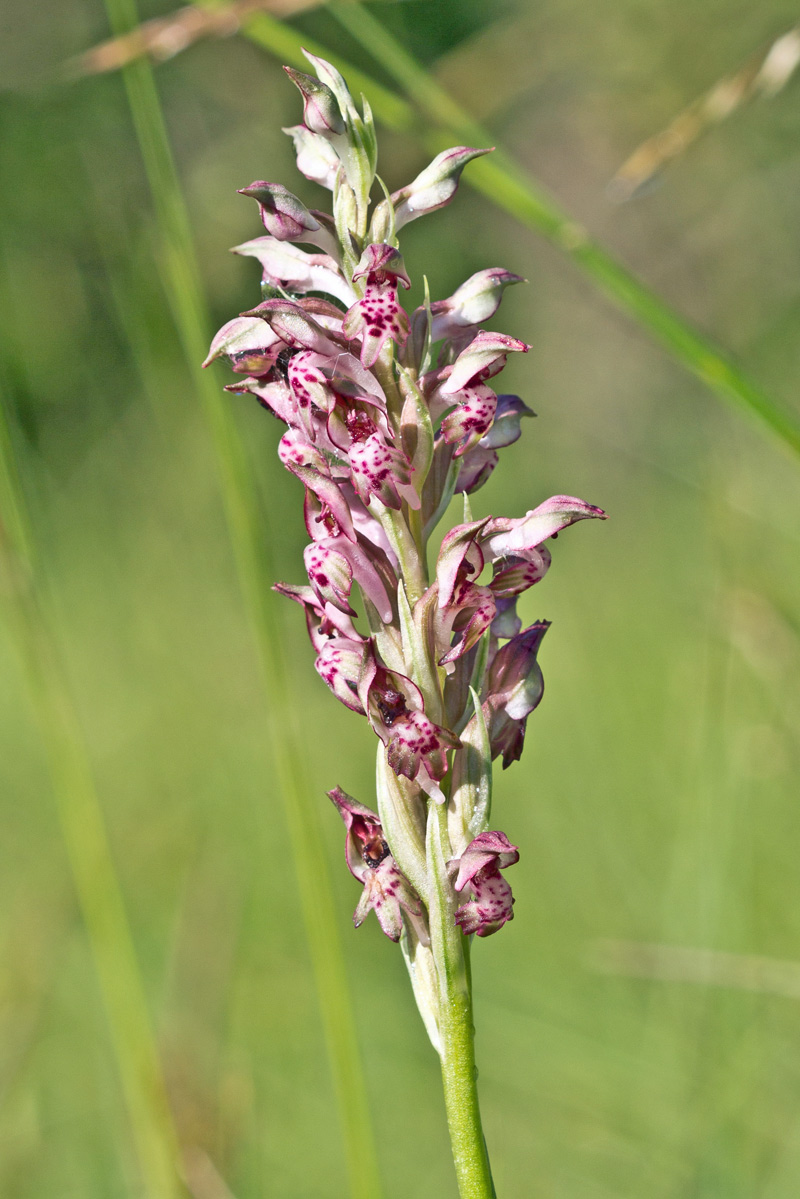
(514, 688)
(386, 892)
(479, 866)
(378, 317)
(415, 746)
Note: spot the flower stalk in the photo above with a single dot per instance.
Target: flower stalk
(388, 415)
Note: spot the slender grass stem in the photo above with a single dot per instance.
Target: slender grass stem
(185, 295)
(86, 841)
(503, 182)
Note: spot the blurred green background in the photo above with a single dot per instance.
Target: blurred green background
(657, 797)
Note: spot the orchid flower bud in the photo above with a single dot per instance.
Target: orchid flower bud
(355, 144)
(435, 186)
(321, 112)
(283, 215)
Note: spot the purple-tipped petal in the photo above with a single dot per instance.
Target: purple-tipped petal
(484, 357)
(435, 186)
(296, 327)
(506, 537)
(250, 346)
(286, 265)
(472, 304)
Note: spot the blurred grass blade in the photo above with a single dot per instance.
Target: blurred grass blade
(85, 837)
(251, 546)
(501, 180)
(764, 74)
(708, 967)
(512, 189)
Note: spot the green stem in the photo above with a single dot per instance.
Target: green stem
(184, 289)
(515, 191)
(456, 1029)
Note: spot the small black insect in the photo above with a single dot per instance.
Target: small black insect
(391, 704)
(282, 363)
(374, 852)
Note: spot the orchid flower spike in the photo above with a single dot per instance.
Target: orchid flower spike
(384, 416)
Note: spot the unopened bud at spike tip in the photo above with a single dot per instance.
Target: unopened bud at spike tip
(321, 112)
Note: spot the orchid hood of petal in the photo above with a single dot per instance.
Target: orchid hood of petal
(506, 536)
(384, 261)
(483, 357)
(286, 265)
(473, 303)
(435, 186)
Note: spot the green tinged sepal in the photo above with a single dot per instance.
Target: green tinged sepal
(471, 798)
(420, 342)
(417, 631)
(381, 227)
(345, 215)
(416, 430)
(440, 486)
(424, 983)
(400, 806)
